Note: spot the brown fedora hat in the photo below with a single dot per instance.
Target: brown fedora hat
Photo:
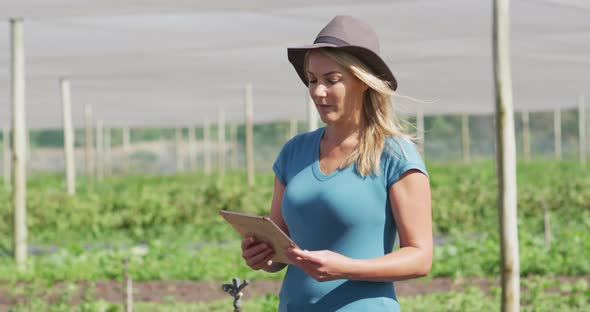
(351, 35)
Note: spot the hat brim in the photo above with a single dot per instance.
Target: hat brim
(296, 56)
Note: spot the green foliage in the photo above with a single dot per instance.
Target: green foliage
(176, 219)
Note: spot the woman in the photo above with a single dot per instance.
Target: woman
(341, 192)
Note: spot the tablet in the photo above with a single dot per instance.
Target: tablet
(263, 229)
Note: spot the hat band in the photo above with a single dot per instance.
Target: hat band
(331, 40)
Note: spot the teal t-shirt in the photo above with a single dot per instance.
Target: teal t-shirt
(342, 212)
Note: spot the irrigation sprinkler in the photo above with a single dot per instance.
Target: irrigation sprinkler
(235, 290)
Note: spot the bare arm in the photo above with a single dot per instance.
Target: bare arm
(410, 202)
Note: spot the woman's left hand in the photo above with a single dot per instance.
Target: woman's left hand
(321, 265)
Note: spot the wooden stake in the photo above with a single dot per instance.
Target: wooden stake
(207, 148)
(88, 141)
(68, 137)
(582, 129)
(221, 142)
(526, 136)
(6, 155)
(192, 149)
(179, 158)
(99, 150)
(126, 149)
(506, 159)
(108, 161)
(19, 148)
(557, 133)
(249, 135)
(128, 286)
(465, 138)
(235, 144)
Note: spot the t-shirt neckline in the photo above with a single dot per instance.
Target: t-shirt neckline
(316, 157)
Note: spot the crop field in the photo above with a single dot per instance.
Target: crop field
(180, 251)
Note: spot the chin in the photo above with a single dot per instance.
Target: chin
(328, 119)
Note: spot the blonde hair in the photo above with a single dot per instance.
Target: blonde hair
(377, 113)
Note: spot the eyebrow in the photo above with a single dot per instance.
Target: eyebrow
(326, 74)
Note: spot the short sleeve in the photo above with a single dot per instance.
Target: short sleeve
(401, 155)
(280, 164)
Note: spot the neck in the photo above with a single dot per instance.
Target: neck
(343, 134)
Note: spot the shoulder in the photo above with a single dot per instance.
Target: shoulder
(400, 148)
(302, 141)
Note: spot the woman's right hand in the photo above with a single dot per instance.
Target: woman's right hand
(256, 254)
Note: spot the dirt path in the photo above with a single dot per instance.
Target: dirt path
(203, 291)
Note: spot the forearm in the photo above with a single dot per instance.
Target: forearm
(405, 263)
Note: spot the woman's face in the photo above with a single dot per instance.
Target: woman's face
(336, 92)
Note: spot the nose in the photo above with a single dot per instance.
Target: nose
(318, 91)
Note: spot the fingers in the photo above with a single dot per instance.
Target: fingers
(247, 241)
(260, 260)
(256, 254)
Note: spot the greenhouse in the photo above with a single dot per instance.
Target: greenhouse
(135, 123)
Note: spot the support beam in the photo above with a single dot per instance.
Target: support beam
(108, 158)
(88, 155)
(68, 137)
(465, 138)
(235, 144)
(99, 150)
(582, 129)
(506, 159)
(126, 149)
(207, 148)
(249, 110)
(6, 155)
(192, 149)
(221, 142)
(526, 136)
(19, 144)
(557, 132)
(179, 156)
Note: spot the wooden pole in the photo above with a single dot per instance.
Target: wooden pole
(192, 149)
(126, 149)
(108, 160)
(221, 142)
(506, 159)
(420, 129)
(99, 150)
(557, 132)
(582, 129)
(179, 158)
(465, 138)
(68, 137)
(88, 141)
(312, 115)
(6, 155)
(249, 136)
(128, 286)
(526, 136)
(207, 148)
(19, 129)
(234, 142)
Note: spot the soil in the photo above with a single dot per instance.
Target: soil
(204, 291)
